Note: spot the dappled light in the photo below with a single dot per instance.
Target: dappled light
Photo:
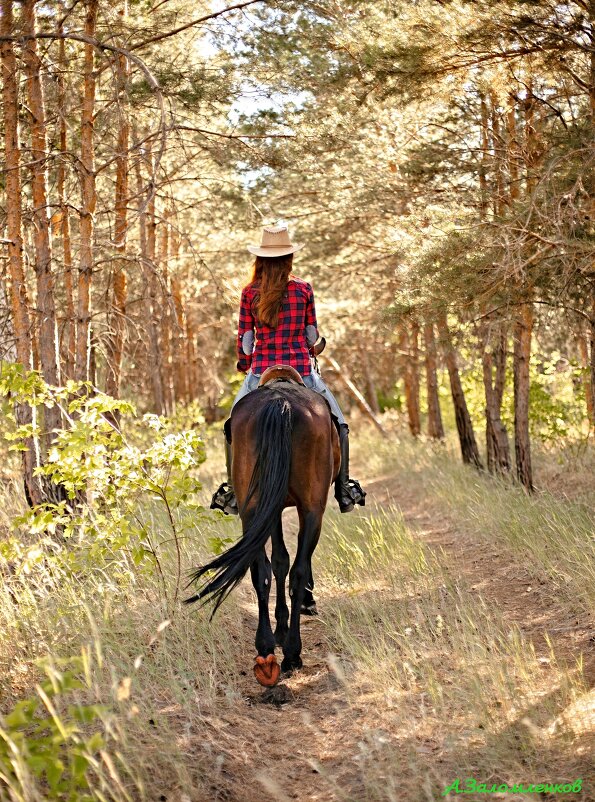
(297, 400)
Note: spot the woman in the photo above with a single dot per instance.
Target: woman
(277, 326)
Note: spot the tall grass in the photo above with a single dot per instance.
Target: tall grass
(553, 535)
(430, 681)
(455, 690)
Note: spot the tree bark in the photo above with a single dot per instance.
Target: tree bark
(521, 358)
(370, 387)
(512, 150)
(88, 201)
(583, 346)
(69, 334)
(497, 445)
(150, 298)
(179, 366)
(485, 158)
(469, 450)
(435, 427)
(410, 377)
(18, 288)
(48, 331)
(117, 330)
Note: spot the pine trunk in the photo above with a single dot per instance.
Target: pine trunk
(69, 331)
(167, 315)
(521, 358)
(370, 386)
(179, 366)
(18, 288)
(497, 444)
(469, 450)
(88, 202)
(48, 332)
(115, 341)
(583, 346)
(149, 298)
(435, 427)
(410, 377)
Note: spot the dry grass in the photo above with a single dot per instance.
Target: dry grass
(411, 678)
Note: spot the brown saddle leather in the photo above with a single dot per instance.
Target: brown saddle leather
(284, 372)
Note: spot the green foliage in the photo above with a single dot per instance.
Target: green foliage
(51, 742)
(556, 399)
(110, 484)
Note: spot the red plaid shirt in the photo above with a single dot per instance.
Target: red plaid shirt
(285, 344)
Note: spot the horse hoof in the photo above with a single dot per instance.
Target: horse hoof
(309, 609)
(266, 670)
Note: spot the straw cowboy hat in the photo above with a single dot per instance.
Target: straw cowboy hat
(275, 242)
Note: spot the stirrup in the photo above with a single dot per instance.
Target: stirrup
(351, 494)
(224, 498)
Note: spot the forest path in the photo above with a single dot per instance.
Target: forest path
(305, 740)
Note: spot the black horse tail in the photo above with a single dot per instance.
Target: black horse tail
(270, 479)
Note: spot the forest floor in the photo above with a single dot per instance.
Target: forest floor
(323, 736)
(455, 642)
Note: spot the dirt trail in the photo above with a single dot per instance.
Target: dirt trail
(302, 741)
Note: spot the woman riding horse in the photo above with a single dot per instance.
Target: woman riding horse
(277, 325)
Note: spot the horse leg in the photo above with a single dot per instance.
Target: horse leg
(260, 570)
(310, 524)
(280, 559)
(309, 603)
(266, 668)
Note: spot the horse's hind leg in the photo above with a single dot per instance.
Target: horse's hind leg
(266, 668)
(280, 560)
(309, 603)
(260, 570)
(310, 524)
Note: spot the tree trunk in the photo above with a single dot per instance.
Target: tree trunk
(512, 150)
(48, 332)
(117, 330)
(167, 315)
(149, 298)
(583, 347)
(370, 387)
(497, 445)
(499, 204)
(18, 288)
(69, 332)
(469, 450)
(179, 366)
(435, 427)
(88, 201)
(522, 353)
(485, 158)
(410, 378)
(191, 358)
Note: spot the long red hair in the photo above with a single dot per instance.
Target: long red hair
(272, 273)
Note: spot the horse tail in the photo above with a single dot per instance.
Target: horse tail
(270, 479)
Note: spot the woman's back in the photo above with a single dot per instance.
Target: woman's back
(284, 343)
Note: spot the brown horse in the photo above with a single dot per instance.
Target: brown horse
(285, 454)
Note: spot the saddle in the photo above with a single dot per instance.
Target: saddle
(284, 373)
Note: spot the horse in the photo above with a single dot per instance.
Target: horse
(285, 453)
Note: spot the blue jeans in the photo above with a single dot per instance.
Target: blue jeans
(313, 381)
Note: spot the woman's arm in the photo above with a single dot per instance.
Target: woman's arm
(311, 324)
(245, 327)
